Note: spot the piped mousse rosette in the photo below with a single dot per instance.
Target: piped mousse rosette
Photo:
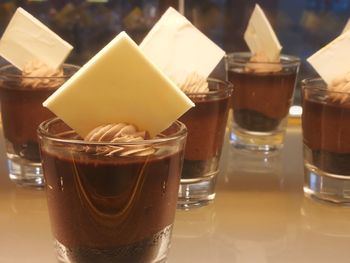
(188, 57)
(263, 88)
(112, 161)
(193, 83)
(37, 74)
(120, 132)
(326, 107)
(36, 55)
(341, 89)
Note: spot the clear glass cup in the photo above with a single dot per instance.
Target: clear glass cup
(326, 130)
(21, 101)
(111, 208)
(206, 124)
(260, 100)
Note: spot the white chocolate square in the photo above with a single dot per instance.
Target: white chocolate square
(26, 39)
(260, 36)
(119, 84)
(178, 48)
(333, 60)
(346, 27)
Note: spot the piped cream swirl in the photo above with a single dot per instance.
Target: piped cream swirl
(37, 74)
(259, 63)
(194, 83)
(342, 85)
(120, 132)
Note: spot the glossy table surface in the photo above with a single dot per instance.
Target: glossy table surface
(259, 215)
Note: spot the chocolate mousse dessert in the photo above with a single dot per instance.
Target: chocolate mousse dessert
(112, 161)
(206, 124)
(36, 56)
(261, 100)
(326, 135)
(264, 83)
(112, 204)
(22, 95)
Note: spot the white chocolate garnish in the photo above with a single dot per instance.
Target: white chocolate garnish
(26, 39)
(119, 84)
(177, 47)
(260, 37)
(333, 60)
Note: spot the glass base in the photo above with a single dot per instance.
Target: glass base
(196, 193)
(151, 250)
(325, 186)
(24, 172)
(256, 141)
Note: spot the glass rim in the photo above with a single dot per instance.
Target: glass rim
(317, 83)
(285, 59)
(43, 132)
(5, 74)
(308, 82)
(228, 87)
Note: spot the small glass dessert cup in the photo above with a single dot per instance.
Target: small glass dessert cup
(111, 206)
(326, 129)
(261, 99)
(21, 98)
(206, 124)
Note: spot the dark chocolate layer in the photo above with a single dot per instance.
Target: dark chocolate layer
(143, 251)
(255, 121)
(22, 112)
(104, 204)
(196, 169)
(335, 163)
(205, 124)
(261, 100)
(326, 125)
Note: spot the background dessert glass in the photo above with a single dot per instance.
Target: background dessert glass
(206, 124)
(260, 100)
(326, 130)
(111, 208)
(21, 100)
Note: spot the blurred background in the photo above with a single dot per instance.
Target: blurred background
(302, 26)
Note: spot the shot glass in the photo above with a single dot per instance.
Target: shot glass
(261, 99)
(116, 207)
(21, 101)
(326, 129)
(206, 124)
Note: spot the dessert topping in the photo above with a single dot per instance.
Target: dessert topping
(36, 74)
(119, 84)
(120, 132)
(341, 85)
(260, 37)
(258, 63)
(194, 83)
(176, 46)
(26, 39)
